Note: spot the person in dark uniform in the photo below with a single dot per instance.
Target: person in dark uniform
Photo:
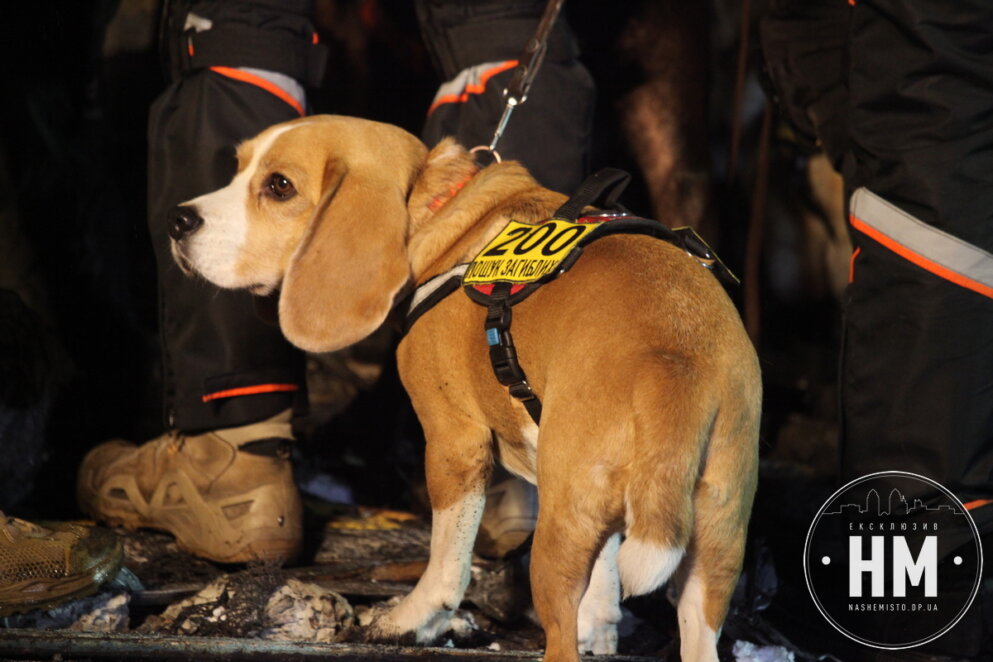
(220, 478)
(898, 93)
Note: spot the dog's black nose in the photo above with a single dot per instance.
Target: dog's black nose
(183, 221)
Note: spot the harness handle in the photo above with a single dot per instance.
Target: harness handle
(601, 189)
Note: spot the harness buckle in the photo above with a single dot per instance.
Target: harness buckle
(498, 317)
(503, 354)
(505, 364)
(522, 391)
(698, 249)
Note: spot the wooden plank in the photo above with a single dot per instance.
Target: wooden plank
(37, 644)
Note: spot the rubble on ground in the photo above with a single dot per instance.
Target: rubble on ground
(362, 561)
(745, 651)
(257, 604)
(107, 611)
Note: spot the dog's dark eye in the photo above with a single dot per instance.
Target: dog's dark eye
(280, 187)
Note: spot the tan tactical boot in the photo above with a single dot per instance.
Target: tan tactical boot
(509, 517)
(44, 566)
(227, 495)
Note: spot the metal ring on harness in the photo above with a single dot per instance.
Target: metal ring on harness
(487, 148)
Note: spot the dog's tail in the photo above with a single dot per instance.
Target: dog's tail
(674, 419)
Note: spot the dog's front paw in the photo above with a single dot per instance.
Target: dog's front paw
(378, 626)
(403, 622)
(599, 640)
(598, 628)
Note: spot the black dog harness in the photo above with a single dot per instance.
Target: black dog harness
(524, 256)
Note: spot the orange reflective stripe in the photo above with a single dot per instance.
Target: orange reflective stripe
(473, 88)
(252, 79)
(978, 503)
(851, 265)
(920, 260)
(251, 390)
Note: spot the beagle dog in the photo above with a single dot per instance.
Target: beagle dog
(646, 455)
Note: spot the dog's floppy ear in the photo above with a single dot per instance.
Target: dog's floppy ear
(341, 281)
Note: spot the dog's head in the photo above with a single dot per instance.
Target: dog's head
(318, 208)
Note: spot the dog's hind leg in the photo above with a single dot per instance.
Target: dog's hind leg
(722, 502)
(562, 557)
(705, 586)
(580, 507)
(600, 610)
(688, 498)
(672, 423)
(457, 471)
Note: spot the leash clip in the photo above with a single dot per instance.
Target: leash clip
(487, 148)
(508, 109)
(529, 62)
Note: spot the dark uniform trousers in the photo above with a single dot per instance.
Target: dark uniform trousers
(917, 375)
(223, 365)
(899, 93)
(473, 45)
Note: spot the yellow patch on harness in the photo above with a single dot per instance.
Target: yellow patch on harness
(524, 253)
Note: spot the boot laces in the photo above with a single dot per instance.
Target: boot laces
(174, 441)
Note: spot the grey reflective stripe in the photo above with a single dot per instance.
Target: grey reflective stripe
(471, 80)
(935, 250)
(286, 83)
(429, 288)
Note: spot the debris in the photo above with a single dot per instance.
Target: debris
(300, 611)
(758, 583)
(502, 592)
(746, 651)
(409, 571)
(157, 561)
(373, 519)
(401, 542)
(257, 604)
(106, 611)
(327, 487)
(108, 615)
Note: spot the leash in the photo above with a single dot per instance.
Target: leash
(528, 64)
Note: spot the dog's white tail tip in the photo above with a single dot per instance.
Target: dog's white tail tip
(645, 566)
